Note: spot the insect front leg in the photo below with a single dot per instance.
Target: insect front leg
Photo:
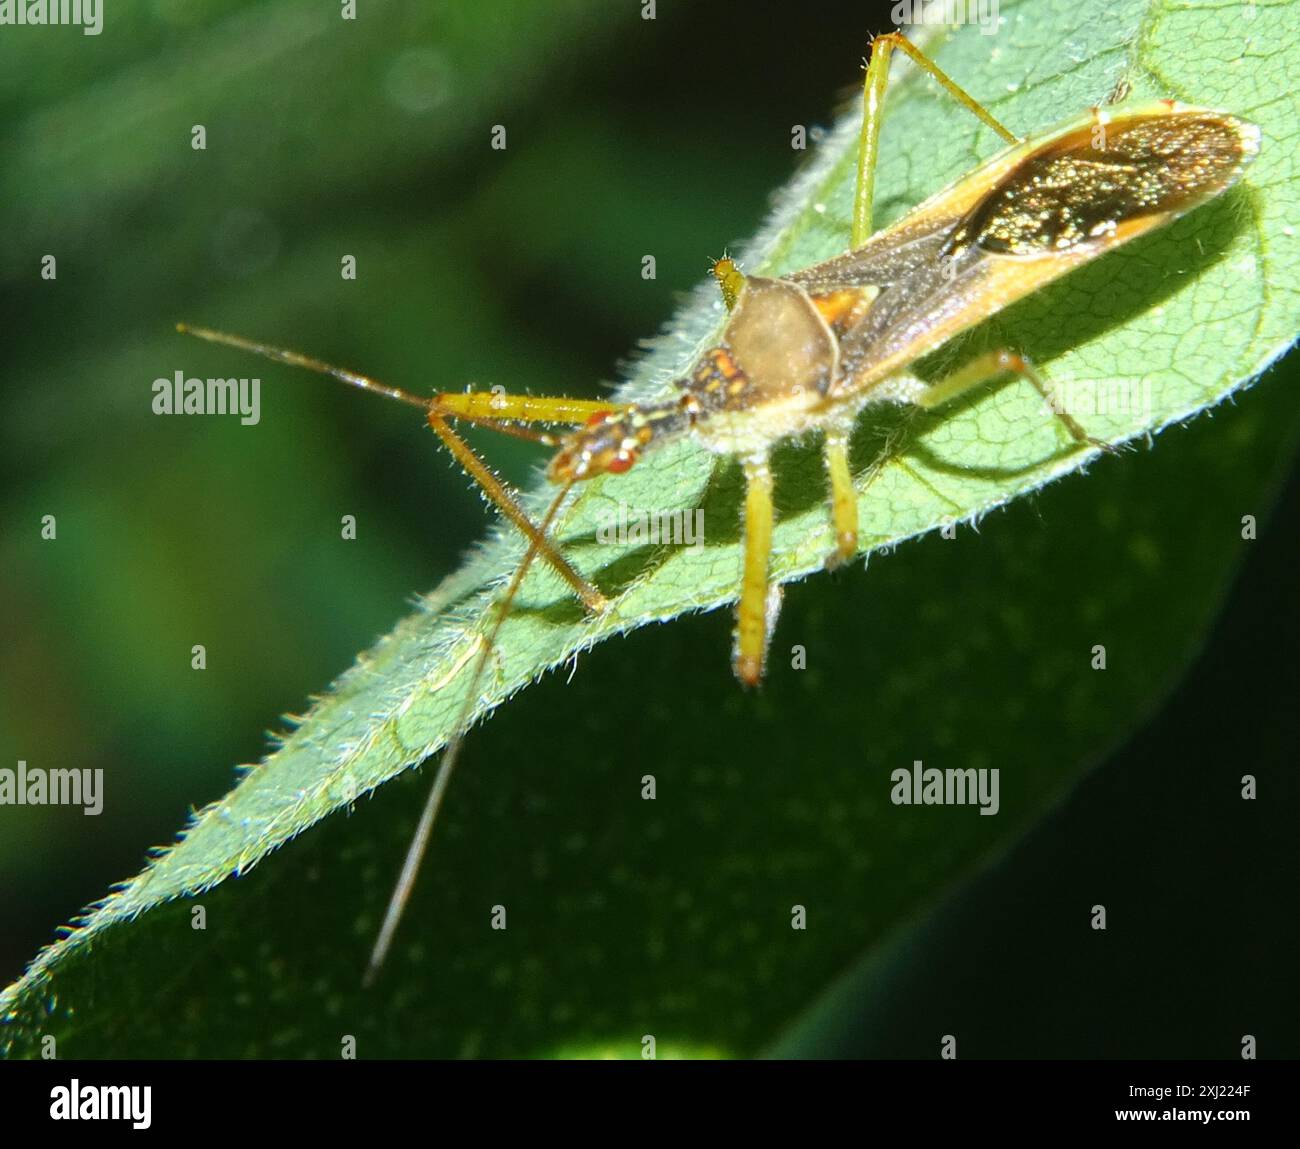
(752, 614)
(504, 500)
(497, 409)
(873, 99)
(983, 369)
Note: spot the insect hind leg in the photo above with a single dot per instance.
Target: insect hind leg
(987, 367)
(873, 99)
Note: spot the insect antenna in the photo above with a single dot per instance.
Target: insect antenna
(295, 359)
(364, 382)
(424, 829)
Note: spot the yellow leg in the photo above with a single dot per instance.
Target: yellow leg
(873, 98)
(983, 369)
(751, 614)
(844, 499)
(508, 505)
(488, 408)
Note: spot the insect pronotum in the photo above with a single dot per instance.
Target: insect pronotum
(808, 351)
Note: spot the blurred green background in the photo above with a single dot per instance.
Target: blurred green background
(521, 268)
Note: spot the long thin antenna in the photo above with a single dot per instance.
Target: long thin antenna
(296, 359)
(424, 830)
(365, 383)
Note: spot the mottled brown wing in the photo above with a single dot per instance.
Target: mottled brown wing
(1025, 218)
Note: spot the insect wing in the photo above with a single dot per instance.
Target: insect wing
(1027, 217)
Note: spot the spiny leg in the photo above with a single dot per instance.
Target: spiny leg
(751, 613)
(873, 97)
(983, 369)
(844, 499)
(494, 410)
(505, 501)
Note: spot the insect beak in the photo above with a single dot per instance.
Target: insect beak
(568, 463)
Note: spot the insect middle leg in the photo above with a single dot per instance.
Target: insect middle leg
(844, 496)
(873, 97)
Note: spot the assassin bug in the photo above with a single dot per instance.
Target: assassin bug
(808, 351)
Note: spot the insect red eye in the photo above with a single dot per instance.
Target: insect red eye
(620, 463)
(598, 418)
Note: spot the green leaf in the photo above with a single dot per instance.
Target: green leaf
(630, 917)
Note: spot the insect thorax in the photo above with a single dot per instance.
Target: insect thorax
(764, 381)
